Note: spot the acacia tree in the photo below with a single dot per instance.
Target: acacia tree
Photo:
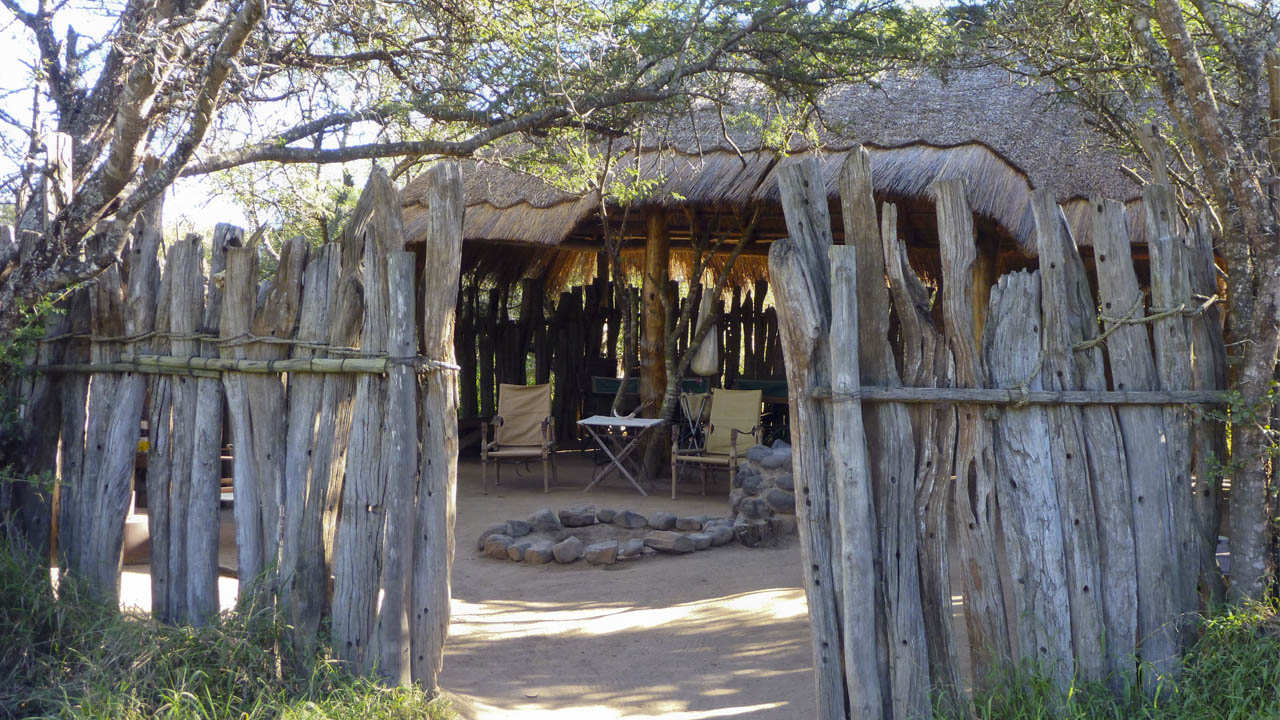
(208, 85)
(1206, 74)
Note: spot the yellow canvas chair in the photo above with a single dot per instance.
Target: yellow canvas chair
(733, 413)
(522, 431)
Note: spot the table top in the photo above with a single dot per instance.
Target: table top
(615, 421)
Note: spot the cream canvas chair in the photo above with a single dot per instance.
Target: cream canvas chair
(733, 413)
(522, 431)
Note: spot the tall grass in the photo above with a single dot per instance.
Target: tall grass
(67, 657)
(1231, 673)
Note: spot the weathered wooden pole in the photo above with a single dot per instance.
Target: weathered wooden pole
(1030, 511)
(657, 263)
(800, 271)
(438, 459)
(400, 464)
(1132, 367)
(976, 508)
(927, 362)
(1060, 269)
(357, 555)
(890, 451)
(240, 291)
(201, 514)
(302, 584)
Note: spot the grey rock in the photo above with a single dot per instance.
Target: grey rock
(701, 540)
(669, 542)
(662, 521)
(754, 508)
(602, 553)
(606, 515)
(689, 523)
(515, 551)
(757, 453)
(545, 521)
(518, 528)
(777, 459)
(578, 516)
(720, 535)
(649, 551)
(754, 533)
(499, 529)
(751, 484)
(540, 552)
(495, 546)
(780, 444)
(567, 550)
(781, 501)
(786, 482)
(631, 548)
(783, 525)
(736, 497)
(630, 520)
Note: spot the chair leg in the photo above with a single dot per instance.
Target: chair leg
(675, 472)
(546, 487)
(497, 474)
(484, 476)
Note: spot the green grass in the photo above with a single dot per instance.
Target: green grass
(66, 657)
(1231, 673)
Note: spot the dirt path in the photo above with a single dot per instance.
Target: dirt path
(721, 633)
(717, 634)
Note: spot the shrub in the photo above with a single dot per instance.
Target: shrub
(65, 657)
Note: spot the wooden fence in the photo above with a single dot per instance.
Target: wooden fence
(332, 381)
(1032, 453)
(591, 330)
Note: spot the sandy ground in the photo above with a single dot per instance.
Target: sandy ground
(721, 633)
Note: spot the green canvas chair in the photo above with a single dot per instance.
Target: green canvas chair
(522, 431)
(733, 413)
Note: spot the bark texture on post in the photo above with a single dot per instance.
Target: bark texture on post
(657, 262)
(438, 470)
(801, 279)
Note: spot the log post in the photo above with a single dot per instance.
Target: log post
(240, 287)
(358, 553)
(1132, 367)
(927, 362)
(800, 270)
(160, 436)
(400, 464)
(657, 262)
(1030, 512)
(1060, 270)
(890, 453)
(438, 470)
(303, 585)
(201, 514)
(989, 640)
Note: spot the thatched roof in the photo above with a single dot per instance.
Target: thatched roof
(1000, 135)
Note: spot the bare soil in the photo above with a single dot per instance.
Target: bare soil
(721, 633)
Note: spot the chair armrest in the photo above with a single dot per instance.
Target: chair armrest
(548, 433)
(484, 440)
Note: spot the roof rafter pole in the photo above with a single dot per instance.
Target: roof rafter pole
(657, 263)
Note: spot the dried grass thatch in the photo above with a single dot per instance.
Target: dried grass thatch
(1000, 135)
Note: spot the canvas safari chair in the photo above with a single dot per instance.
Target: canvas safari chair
(733, 413)
(522, 431)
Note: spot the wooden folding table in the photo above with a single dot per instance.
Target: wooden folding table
(610, 433)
